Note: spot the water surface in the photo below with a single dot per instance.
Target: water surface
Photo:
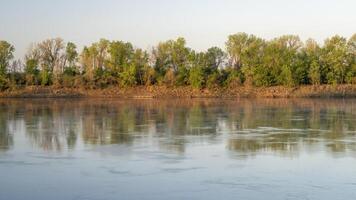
(170, 149)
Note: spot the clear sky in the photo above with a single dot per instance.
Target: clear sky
(203, 23)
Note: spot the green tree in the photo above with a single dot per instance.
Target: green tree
(351, 74)
(172, 54)
(140, 60)
(281, 57)
(246, 53)
(310, 56)
(214, 58)
(94, 59)
(335, 60)
(71, 54)
(6, 55)
(121, 54)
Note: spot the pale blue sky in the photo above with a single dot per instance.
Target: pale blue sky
(203, 23)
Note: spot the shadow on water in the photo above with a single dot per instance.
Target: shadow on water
(247, 127)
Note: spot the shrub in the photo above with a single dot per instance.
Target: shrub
(182, 77)
(32, 76)
(70, 71)
(103, 78)
(68, 81)
(314, 73)
(263, 76)
(196, 77)
(234, 78)
(31, 79)
(4, 83)
(149, 76)
(46, 78)
(213, 80)
(351, 75)
(169, 78)
(286, 77)
(128, 76)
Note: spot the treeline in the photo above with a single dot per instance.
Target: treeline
(248, 60)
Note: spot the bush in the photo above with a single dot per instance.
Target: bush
(169, 78)
(149, 76)
(263, 76)
(196, 77)
(31, 79)
(286, 77)
(71, 71)
(213, 80)
(314, 73)
(234, 78)
(46, 78)
(68, 81)
(182, 77)
(32, 74)
(4, 83)
(351, 75)
(128, 76)
(103, 78)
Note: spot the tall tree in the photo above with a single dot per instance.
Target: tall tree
(335, 59)
(121, 54)
(351, 74)
(95, 57)
(71, 54)
(311, 55)
(172, 54)
(6, 55)
(281, 57)
(52, 55)
(140, 60)
(215, 58)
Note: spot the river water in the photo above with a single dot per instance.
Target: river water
(169, 149)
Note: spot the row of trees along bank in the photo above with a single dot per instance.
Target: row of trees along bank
(248, 60)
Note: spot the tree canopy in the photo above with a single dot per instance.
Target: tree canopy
(248, 60)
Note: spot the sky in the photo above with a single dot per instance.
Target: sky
(204, 23)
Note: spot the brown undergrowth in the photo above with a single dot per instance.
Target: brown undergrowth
(142, 92)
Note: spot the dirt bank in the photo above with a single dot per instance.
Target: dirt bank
(183, 92)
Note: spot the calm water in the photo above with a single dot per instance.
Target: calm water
(198, 149)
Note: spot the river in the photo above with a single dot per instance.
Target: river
(177, 149)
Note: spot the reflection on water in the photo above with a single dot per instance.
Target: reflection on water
(247, 126)
(170, 149)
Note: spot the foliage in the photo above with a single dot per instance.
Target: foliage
(234, 78)
(182, 77)
(248, 60)
(6, 54)
(4, 83)
(127, 77)
(196, 77)
(213, 80)
(32, 72)
(169, 78)
(46, 77)
(314, 73)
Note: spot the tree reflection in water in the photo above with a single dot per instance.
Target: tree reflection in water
(246, 126)
(6, 138)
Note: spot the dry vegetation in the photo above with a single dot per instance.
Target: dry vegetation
(142, 92)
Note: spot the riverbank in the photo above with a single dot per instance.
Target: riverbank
(143, 92)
